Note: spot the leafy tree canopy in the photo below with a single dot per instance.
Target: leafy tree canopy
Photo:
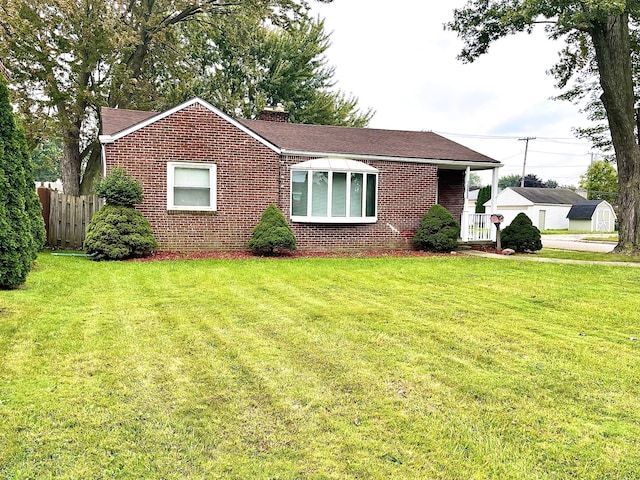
(46, 161)
(601, 182)
(148, 53)
(530, 180)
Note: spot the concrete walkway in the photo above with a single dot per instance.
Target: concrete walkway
(578, 242)
(534, 258)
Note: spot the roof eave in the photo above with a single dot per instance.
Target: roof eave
(476, 165)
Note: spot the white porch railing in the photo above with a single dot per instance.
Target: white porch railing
(476, 227)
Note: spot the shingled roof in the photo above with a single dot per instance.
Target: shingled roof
(324, 139)
(549, 196)
(115, 120)
(321, 139)
(583, 210)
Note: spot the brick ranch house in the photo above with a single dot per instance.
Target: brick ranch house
(208, 177)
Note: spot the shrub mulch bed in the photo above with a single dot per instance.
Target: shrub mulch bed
(160, 256)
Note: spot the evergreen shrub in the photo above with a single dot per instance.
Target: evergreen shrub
(521, 235)
(119, 231)
(119, 188)
(272, 234)
(438, 231)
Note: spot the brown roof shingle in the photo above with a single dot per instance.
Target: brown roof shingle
(363, 141)
(115, 120)
(328, 140)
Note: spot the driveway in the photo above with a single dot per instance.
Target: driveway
(577, 242)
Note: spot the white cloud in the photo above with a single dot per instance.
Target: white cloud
(398, 59)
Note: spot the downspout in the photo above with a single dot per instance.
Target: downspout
(104, 140)
(103, 158)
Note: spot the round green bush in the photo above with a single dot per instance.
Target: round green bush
(438, 231)
(272, 234)
(119, 188)
(117, 232)
(521, 235)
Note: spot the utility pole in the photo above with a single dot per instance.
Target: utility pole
(526, 148)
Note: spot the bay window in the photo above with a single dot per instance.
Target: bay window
(334, 191)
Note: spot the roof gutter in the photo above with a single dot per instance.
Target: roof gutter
(432, 161)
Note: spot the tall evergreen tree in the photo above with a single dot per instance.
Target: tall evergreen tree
(21, 225)
(484, 195)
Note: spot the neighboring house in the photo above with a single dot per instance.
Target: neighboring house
(472, 197)
(592, 216)
(208, 177)
(546, 207)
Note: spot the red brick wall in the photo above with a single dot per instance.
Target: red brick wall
(247, 178)
(250, 176)
(451, 191)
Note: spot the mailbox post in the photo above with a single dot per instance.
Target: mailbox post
(497, 220)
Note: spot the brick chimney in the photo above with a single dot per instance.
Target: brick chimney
(274, 114)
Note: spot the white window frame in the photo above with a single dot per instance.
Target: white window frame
(171, 166)
(331, 166)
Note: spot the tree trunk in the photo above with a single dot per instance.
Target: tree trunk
(92, 171)
(613, 55)
(71, 165)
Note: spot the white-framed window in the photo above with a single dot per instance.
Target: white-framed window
(329, 190)
(191, 186)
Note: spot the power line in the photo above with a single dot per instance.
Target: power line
(566, 140)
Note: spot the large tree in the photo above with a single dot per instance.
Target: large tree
(601, 28)
(243, 71)
(70, 57)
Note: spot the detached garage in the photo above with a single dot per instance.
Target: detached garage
(592, 216)
(546, 207)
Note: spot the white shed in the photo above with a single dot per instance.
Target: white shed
(592, 216)
(546, 207)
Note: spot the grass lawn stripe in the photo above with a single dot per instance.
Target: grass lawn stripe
(320, 368)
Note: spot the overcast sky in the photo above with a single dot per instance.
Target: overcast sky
(398, 60)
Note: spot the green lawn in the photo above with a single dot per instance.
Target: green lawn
(406, 368)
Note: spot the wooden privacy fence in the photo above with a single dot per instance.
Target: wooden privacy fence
(66, 217)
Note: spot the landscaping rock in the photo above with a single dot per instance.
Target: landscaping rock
(508, 251)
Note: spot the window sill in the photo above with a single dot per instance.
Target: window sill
(197, 211)
(334, 220)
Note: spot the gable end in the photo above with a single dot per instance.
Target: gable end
(195, 101)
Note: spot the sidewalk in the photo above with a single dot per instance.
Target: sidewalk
(533, 258)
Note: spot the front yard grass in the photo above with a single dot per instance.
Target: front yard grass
(432, 367)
